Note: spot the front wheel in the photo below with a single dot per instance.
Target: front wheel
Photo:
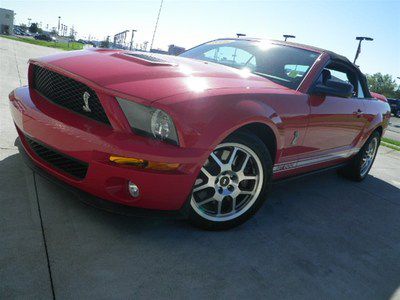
(360, 165)
(232, 183)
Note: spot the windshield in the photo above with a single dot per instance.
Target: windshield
(282, 64)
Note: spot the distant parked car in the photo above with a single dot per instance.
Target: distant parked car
(395, 106)
(18, 31)
(44, 37)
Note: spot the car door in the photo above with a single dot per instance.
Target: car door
(335, 123)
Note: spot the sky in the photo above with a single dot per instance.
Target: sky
(332, 25)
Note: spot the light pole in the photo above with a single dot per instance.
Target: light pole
(133, 33)
(239, 35)
(59, 20)
(360, 39)
(155, 27)
(289, 36)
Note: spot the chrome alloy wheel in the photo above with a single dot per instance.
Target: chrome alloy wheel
(229, 183)
(368, 156)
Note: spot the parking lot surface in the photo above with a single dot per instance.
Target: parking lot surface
(317, 237)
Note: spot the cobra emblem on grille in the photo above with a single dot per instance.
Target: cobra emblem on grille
(86, 97)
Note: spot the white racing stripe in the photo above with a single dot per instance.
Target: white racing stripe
(314, 160)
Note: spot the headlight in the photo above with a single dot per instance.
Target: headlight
(149, 121)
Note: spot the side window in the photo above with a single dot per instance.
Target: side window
(339, 76)
(360, 92)
(341, 73)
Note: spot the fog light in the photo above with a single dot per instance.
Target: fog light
(133, 189)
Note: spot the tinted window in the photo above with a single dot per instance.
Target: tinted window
(282, 64)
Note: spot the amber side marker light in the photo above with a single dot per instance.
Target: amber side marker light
(141, 163)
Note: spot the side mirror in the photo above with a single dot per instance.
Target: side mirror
(334, 88)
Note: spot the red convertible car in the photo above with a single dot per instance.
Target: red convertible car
(203, 133)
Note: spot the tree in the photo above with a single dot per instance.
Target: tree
(33, 28)
(105, 43)
(23, 27)
(383, 84)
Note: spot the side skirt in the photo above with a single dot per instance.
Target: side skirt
(302, 175)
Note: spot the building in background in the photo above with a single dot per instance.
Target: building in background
(6, 21)
(175, 50)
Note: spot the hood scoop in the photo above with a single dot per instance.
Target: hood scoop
(144, 58)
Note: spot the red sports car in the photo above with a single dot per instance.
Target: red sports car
(204, 133)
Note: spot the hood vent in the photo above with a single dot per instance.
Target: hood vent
(151, 59)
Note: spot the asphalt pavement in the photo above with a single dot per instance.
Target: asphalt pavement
(317, 237)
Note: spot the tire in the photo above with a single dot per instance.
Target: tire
(360, 165)
(232, 184)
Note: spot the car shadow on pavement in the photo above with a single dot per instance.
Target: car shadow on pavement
(320, 236)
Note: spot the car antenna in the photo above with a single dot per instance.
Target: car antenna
(360, 39)
(240, 34)
(289, 36)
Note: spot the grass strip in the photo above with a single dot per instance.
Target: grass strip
(391, 146)
(391, 141)
(59, 45)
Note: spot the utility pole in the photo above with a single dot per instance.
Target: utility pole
(133, 33)
(360, 39)
(289, 36)
(59, 20)
(155, 27)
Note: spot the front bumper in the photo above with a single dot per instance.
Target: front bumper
(92, 142)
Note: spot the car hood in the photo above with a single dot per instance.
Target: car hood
(153, 76)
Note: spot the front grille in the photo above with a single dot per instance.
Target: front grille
(68, 165)
(68, 93)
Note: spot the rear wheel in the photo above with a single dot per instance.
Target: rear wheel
(232, 183)
(360, 165)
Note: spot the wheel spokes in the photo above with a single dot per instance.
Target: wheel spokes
(228, 182)
(202, 187)
(232, 157)
(217, 160)
(205, 201)
(219, 210)
(244, 164)
(207, 174)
